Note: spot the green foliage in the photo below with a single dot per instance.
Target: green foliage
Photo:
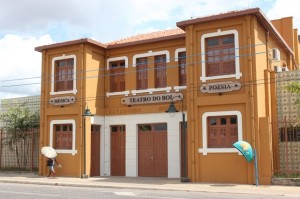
(294, 87)
(17, 123)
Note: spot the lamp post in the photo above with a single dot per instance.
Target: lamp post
(172, 109)
(87, 113)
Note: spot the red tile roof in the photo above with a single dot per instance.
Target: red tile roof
(148, 37)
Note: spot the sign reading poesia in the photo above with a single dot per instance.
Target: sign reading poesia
(220, 87)
(148, 99)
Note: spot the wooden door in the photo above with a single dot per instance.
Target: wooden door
(152, 155)
(118, 134)
(95, 151)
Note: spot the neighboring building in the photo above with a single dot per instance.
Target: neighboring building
(32, 102)
(217, 69)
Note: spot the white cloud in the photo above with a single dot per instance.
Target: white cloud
(286, 8)
(20, 65)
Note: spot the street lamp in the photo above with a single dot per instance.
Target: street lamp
(87, 113)
(172, 110)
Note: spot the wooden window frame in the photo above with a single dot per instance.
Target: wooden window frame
(142, 73)
(237, 74)
(73, 150)
(117, 75)
(182, 68)
(64, 75)
(160, 68)
(72, 76)
(220, 58)
(204, 148)
(220, 134)
(63, 136)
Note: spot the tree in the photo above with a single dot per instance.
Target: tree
(294, 87)
(17, 121)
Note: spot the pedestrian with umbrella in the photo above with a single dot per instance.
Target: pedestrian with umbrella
(51, 154)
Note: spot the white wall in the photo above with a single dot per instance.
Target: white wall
(131, 122)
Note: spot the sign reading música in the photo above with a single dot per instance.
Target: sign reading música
(220, 87)
(147, 99)
(62, 100)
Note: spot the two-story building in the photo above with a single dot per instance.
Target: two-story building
(219, 72)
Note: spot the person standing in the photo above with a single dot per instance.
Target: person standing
(50, 163)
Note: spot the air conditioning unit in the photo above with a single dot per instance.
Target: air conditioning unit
(275, 54)
(277, 69)
(285, 68)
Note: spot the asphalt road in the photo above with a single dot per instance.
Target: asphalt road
(30, 191)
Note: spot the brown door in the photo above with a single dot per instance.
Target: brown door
(118, 134)
(153, 153)
(95, 150)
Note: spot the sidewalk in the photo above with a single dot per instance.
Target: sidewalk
(149, 183)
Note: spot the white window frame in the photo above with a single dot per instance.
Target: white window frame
(151, 54)
(205, 150)
(125, 58)
(237, 74)
(177, 51)
(73, 151)
(113, 59)
(74, 91)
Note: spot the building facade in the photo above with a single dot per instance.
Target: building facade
(216, 70)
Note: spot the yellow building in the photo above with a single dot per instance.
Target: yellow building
(218, 70)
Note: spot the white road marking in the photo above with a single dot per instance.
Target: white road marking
(146, 196)
(27, 193)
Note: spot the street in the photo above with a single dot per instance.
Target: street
(29, 191)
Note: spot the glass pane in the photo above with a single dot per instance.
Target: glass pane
(228, 40)
(212, 121)
(223, 121)
(65, 127)
(114, 128)
(57, 127)
(213, 42)
(233, 120)
(122, 129)
(71, 62)
(145, 127)
(160, 127)
(71, 127)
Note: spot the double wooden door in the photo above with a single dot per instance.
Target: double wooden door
(152, 150)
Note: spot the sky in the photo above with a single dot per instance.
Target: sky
(26, 24)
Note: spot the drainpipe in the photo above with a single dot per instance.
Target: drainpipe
(251, 87)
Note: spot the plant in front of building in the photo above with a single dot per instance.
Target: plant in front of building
(294, 87)
(17, 124)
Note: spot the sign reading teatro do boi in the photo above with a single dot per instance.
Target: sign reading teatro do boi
(148, 99)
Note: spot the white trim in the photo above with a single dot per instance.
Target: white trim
(178, 88)
(126, 93)
(206, 150)
(131, 122)
(117, 59)
(72, 151)
(74, 91)
(151, 90)
(237, 74)
(149, 54)
(177, 51)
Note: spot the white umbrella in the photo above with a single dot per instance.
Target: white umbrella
(49, 152)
